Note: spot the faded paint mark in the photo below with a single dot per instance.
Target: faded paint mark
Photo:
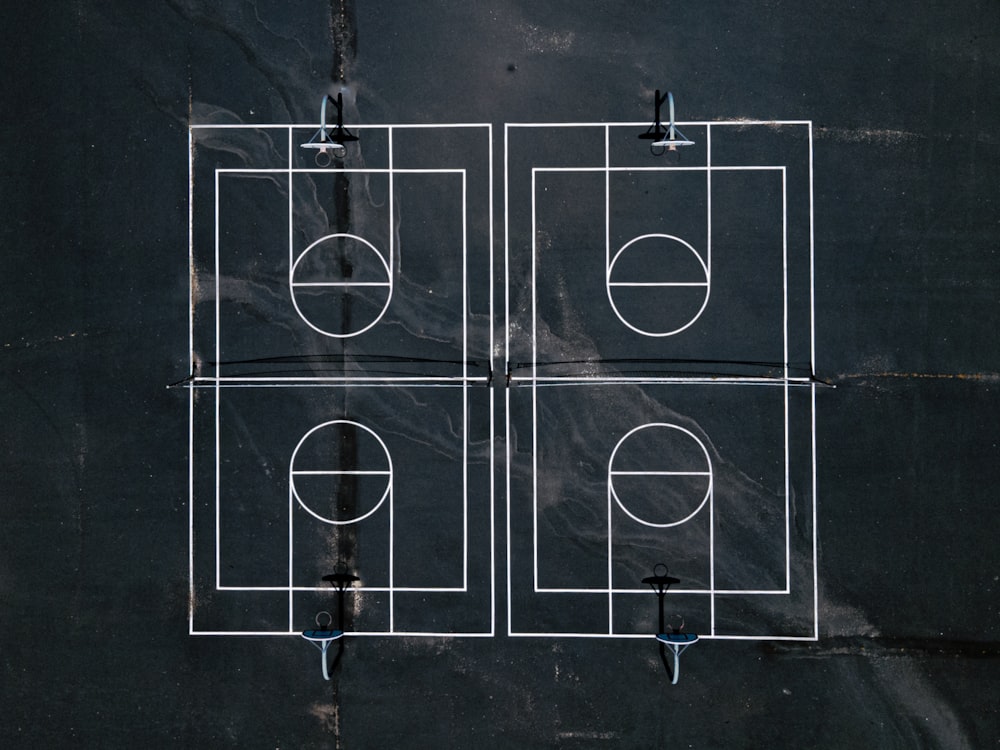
(329, 717)
(250, 51)
(880, 136)
(343, 37)
(880, 646)
(43, 342)
(540, 40)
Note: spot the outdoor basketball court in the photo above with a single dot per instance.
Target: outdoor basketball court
(653, 342)
(660, 322)
(342, 412)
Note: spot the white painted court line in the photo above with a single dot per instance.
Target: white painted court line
(359, 590)
(350, 126)
(706, 261)
(447, 634)
(812, 263)
(351, 634)
(815, 516)
(645, 123)
(586, 170)
(609, 590)
(232, 381)
(623, 473)
(389, 262)
(391, 589)
(561, 380)
(646, 636)
(388, 171)
(191, 598)
(657, 284)
(603, 591)
(787, 588)
(535, 381)
(506, 268)
(191, 369)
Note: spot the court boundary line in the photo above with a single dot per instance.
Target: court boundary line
(218, 383)
(787, 381)
(535, 381)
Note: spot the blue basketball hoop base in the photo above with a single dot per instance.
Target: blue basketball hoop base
(322, 639)
(678, 643)
(324, 634)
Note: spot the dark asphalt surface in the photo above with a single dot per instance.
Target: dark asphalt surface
(95, 478)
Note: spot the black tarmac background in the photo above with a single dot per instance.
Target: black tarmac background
(94, 521)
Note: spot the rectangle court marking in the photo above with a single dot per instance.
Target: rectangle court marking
(607, 170)
(711, 591)
(555, 380)
(708, 125)
(787, 381)
(390, 170)
(464, 381)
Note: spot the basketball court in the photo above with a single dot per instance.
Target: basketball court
(660, 325)
(339, 408)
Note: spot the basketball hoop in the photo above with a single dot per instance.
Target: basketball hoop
(675, 139)
(325, 149)
(667, 138)
(325, 635)
(329, 143)
(322, 638)
(677, 641)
